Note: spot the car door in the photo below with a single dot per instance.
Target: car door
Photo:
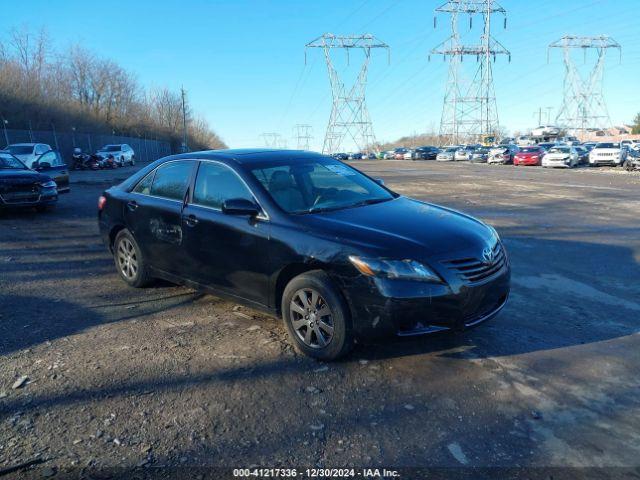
(52, 164)
(229, 253)
(153, 214)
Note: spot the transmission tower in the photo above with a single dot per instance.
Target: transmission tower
(583, 106)
(469, 111)
(272, 140)
(349, 115)
(302, 134)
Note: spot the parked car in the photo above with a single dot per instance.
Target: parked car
(564, 156)
(547, 145)
(607, 153)
(529, 156)
(425, 153)
(52, 164)
(21, 186)
(503, 154)
(389, 155)
(447, 154)
(546, 131)
(121, 152)
(632, 162)
(340, 156)
(399, 153)
(524, 141)
(408, 155)
(583, 154)
(27, 152)
(589, 146)
(464, 153)
(480, 155)
(335, 254)
(507, 141)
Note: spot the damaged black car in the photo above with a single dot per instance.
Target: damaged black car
(304, 236)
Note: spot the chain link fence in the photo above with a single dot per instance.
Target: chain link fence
(145, 149)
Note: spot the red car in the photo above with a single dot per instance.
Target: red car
(529, 156)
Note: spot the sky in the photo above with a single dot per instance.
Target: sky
(242, 62)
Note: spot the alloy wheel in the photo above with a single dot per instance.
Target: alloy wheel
(127, 258)
(311, 318)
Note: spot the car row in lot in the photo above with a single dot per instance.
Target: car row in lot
(567, 154)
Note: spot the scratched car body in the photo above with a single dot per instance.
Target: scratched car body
(337, 255)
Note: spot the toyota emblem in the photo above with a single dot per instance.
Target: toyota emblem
(487, 256)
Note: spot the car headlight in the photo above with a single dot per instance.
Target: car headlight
(48, 184)
(398, 269)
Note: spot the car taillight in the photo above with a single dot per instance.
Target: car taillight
(102, 202)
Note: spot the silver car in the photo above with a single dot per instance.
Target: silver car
(27, 152)
(121, 152)
(447, 154)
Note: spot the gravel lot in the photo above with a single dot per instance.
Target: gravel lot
(166, 376)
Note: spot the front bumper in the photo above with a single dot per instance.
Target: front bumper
(385, 307)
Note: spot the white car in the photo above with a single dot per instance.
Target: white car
(464, 153)
(564, 156)
(606, 153)
(408, 155)
(447, 154)
(524, 141)
(502, 154)
(122, 153)
(27, 152)
(545, 131)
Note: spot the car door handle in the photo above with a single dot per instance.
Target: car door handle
(132, 205)
(190, 220)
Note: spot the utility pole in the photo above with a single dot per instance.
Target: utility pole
(5, 122)
(185, 147)
(55, 137)
(302, 134)
(583, 107)
(349, 118)
(469, 109)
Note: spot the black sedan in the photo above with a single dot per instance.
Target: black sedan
(307, 237)
(23, 187)
(425, 153)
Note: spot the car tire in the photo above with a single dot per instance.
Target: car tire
(134, 271)
(307, 331)
(628, 166)
(133, 161)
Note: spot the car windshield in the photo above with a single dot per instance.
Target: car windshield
(20, 149)
(10, 162)
(529, 150)
(317, 185)
(559, 150)
(608, 145)
(452, 150)
(482, 150)
(110, 148)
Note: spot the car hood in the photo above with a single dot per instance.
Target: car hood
(405, 228)
(557, 156)
(528, 154)
(606, 150)
(21, 176)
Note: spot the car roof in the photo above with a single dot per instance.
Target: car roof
(250, 155)
(24, 144)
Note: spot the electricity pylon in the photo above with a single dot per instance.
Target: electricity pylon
(583, 106)
(302, 134)
(469, 111)
(272, 140)
(349, 115)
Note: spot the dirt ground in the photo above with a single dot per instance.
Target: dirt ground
(166, 376)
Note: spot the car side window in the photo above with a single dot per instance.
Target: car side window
(144, 185)
(172, 179)
(216, 183)
(48, 158)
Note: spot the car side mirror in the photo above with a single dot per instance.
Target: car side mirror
(379, 181)
(240, 206)
(42, 166)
